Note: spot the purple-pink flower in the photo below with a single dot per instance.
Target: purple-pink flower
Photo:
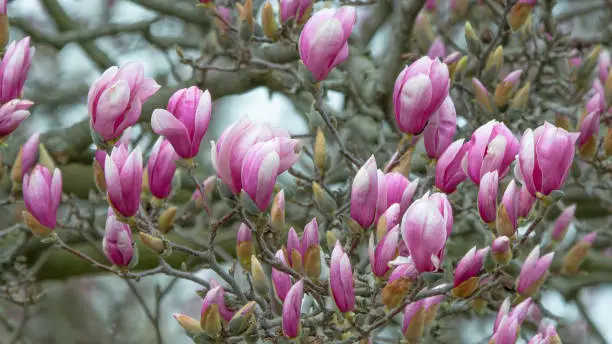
(123, 176)
(12, 113)
(281, 281)
(487, 196)
(562, 223)
(449, 172)
(383, 251)
(469, 266)
(364, 194)
(292, 310)
(14, 69)
(534, 272)
(185, 120)
(117, 243)
(161, 168)
(419, 91)
(341, 279)
(42, 194)
(28, 155)
(440, 130)
(399, 190)
(323, 42)
(115, 99)
(293, 9)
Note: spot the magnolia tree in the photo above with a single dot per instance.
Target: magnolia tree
(442, 185)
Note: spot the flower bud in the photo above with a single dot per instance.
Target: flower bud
(494, 64)
(437, 49)
(453, 62)
(294, 250)
(4, 25)
(281, 281)
(260, 280)
(533, 272)
(341, 280)
(473, 42)
(440, 129)
(311, 259)
(292, 310)
(188, 323)
(465, 280)
(277, 212)
(507, 212)
(322, 199)
(245, 16)
(500, 250)
(562, 223)
(387, 221)
(12, 113)
(243, 320)
(268, 22)
(414, 321)
(42, 194)
(117, 243)
(564, 122)
(449, 173)
(16, 63)
(161, 168)
(487, 196)
(583, 72)
(577, 254)
(364, 194)
(400, 282)
(244, 246)
(423, 31)
(520, 99)
(320, 151)
(26, 159)
(210, 318)
(504, 88)
(482, 96)
(123, 176)
(383, 251)
(607, 142)
(589, 129)
(519, 13)
(166, 219)
(154, 243)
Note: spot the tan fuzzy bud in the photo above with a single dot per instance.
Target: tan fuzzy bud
(575, 257)
(16, 171)
(210, 321)
(154, 243)
(244, 251)
(424, 34)
(503, 224)
(188, 323)
(608, 88)
(502, 258)
(474, 43)
(4, 30)
(277, 212)
(99, 176)
(416, 327)
(466, 289)
(589, 148)
(330, 239)
(494, 64)
(45, 158)
(405, 162)
(245, 15)
(607, 143)
(482, 96)
(320, 151)
(166, 219)
(479, 305)
(582, 74)
(456, 68)
(36, 227)
(268, 22)
(518, 15)
(322, 199)
(564, 122)
(296, 260)
(312, 262)
(430, 314)
(521, 98)
(243, 319)
(260, 280)
(394, 292)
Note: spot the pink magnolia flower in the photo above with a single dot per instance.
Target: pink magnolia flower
(534, 272)
(123, 176)
(589, 124)
(14, 69)
(470, 265)
(42, 194)
(383, 252)
(545, 157)
(419, 91)
(259, 171)
(399, 190)
(364, 194)
(292, 310)
(293, 9)
(562, 223)
(507, 331)
(511, 201)
(425, 227)
(440, 130)
(185, 120)
(161, 168)
(12, 113)
(324, 40)
(492, 147)
(526, 202)
(117, 243)
(449, 172)
(487, 196)
(389, 219)
(280, 280)
(603, 66)
(437, 49)
(3, 4)
(230, 151)
(28, 155)
(341, 279)
(115, 99)
(215, 296)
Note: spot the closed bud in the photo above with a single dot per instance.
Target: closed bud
(494, 64)
(45, 158)
(26, 159)
(260, 280)
(423, 31)
(520, 99)
(587, 66)
(577, 254)
(245, 16)
(533, 272)
(322, 199)
(607, 142)
(243, 319)
(454, 62)
(482, 96)
(36, 227)
(244, 246)
(154, 243)
(564, 122)
(400, 282)
(166, 219)
(414, 321)
(330, 239)
(268, 22)
(562, 223)
(210, 321)
(291, 314)
(277, 212)
(465, 280)
(503, 223)
(473, 42)
(311, 260)
(320, 151)
(504, 88)
(500, 250)
(188, 323)
(519, 14)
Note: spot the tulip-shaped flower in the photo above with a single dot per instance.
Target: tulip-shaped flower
(161, 168)
(115, 99)
(383, 252)
(439, 132)
(399, 190)
(185, 120)
(419, 91)
(100, 160)
(534, 272)
(387, 221)
(437, 49)
(364, 194)
(400, 281)
(123, 175)
(311, 252)
(603, 66)
(507, 212)
(229, 152)
(117, 243)
(214, 311)
(500, 250)
(280, 280)
(42, 193)
(492, 147)
(324, 40)
(14, 69)
(487, 196)
(297, 9)
(545, 157)
(259, 172)
(26, 158)
(507, 331)
(465, 280)
(449, 172)
(12, 114)
(292, 310)
(413, 324)
(526, 202)
(341, 280)
(562, 223)
(244, 246)
(425, 228)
